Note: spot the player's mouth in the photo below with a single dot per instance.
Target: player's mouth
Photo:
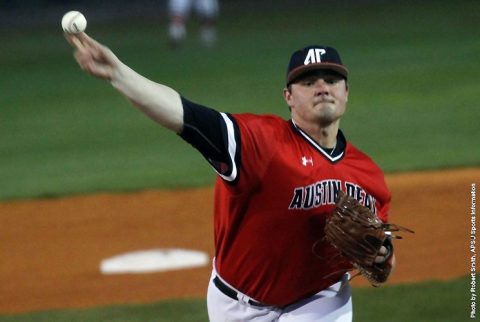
(324, 101)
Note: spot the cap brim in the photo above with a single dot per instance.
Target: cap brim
(295, 73)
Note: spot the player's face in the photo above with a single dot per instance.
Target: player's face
(319, 97)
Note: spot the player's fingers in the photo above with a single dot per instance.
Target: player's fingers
(100, 71)
(382, 255)
(87, 39)
(82, 58)
(92, 66)
(77, 43)
(87, 49)
(99, 51)
(69, 38)
(100, 54)
(74, 41)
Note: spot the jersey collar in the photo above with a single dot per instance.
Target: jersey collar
(339, 151)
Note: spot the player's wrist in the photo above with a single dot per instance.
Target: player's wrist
(119, 74)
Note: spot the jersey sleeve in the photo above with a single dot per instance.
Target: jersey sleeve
(234, 144)
(215, 135)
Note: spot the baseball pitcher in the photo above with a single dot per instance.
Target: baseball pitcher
(284, 192)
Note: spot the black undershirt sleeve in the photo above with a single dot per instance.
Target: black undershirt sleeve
(205, 129)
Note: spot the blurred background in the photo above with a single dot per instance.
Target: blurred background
(413, 106)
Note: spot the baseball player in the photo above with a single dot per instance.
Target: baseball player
(277, 181)
(179, 11)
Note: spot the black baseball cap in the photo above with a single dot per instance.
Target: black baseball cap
(312, 58)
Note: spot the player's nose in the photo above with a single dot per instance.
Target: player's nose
(321, 87)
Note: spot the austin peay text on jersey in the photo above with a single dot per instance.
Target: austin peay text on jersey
(323, 193)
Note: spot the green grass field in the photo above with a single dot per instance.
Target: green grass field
(423, 302)
(413, 105)
(413, 93)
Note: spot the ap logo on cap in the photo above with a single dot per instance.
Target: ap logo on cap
(314, 56)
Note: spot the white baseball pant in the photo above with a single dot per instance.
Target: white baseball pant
(333, 304)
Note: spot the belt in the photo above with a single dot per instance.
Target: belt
(231, 293)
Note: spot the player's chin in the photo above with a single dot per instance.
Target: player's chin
(328, 114)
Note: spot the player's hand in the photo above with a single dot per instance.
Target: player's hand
(383, 255)
(93, 57)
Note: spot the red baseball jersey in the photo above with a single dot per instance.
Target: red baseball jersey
(272, 196)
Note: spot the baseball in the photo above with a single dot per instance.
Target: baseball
(74, 22)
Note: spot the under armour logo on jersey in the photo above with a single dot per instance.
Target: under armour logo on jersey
(306, 161)
(314, 55)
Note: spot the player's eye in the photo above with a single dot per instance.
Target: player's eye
(331, 80)
(308, 82)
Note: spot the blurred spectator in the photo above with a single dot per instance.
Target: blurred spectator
(179, 12)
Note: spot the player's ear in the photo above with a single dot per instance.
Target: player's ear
(287, 95)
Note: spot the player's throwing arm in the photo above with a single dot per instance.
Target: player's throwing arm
(158, 101)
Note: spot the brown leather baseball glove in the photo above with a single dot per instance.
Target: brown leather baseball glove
(359, 234)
